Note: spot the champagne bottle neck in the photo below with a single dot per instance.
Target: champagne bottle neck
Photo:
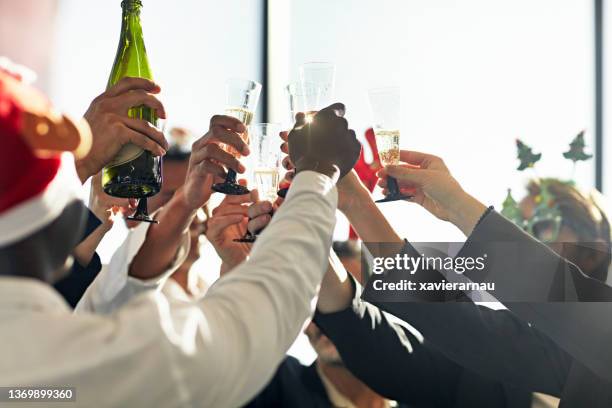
(131, 6)
(131, 58)
(131, 19)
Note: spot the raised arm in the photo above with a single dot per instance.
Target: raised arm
(459, 342)
(534, 274)
(163, 239)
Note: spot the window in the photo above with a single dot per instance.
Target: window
(475, 75)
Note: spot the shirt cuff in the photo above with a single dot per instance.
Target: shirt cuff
(309, 181)
(113, 287)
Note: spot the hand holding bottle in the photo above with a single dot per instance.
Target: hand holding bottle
(427, 178)
(208, 159)
(112, 128)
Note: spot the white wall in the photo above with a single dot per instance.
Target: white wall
(193, 47)
(475, 75)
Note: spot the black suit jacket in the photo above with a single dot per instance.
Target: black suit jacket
(541, 344)
(397, 362)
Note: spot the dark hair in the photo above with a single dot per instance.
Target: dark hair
(179, 150)
(175, 153)
(347, 249)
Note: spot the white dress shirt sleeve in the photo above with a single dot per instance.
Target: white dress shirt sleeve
(221, 350)
(252, 315)
(113, 287)
(218, 351)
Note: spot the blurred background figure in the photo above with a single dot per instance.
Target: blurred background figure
(583, 234)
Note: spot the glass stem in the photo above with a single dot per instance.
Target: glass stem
(231, 177)
(142, 207)
(392, 186)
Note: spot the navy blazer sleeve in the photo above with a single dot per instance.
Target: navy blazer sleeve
(73, 286)
(535, 354)
(395, 360)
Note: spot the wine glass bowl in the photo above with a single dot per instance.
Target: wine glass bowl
(242, 96)
(313, 92)
(264, 164)
(321, 76)
(385, 107)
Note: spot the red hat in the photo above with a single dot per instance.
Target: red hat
(37, 174)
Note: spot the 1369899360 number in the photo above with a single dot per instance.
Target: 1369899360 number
(15, 394)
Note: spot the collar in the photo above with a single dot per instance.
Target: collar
(19, 293)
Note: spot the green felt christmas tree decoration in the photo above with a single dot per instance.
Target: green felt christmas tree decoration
(576, 151)
(526, 156)
(511, 210)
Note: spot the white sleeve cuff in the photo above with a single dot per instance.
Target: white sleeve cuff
(113, 287)
(312, 181)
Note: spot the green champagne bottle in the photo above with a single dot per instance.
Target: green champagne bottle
(134, 172)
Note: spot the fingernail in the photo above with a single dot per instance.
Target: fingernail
(241, 127)
(241, 168)
(245, 150)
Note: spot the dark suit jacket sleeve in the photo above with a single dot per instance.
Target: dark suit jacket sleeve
(389, 358)
(583, 329)
(494, 344)
(524, 269)
(73, 286)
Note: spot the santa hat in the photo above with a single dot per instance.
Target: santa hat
(37, 174)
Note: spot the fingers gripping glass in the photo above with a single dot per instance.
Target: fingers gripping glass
(385, 106)
(264, 163)
(242, 97)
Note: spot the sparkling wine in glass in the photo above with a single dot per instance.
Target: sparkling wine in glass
(385, 106)
(242, 97)
(264, 163)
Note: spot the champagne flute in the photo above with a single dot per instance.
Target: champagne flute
(321, 75)
(312, 93)
(302, 97)
(385, 107)
(242, 97)
(264, 164)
